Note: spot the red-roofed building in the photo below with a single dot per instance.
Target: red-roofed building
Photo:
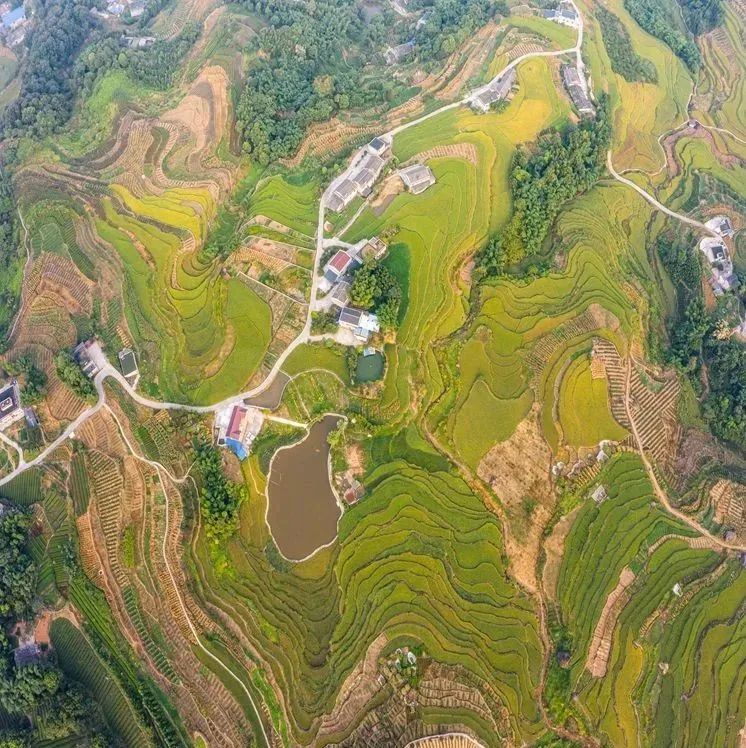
(340, 261)
(235, 425)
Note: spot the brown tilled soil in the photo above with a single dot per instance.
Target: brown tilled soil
(465, 151)
(357, 690)
(729, 502)
(516, 470)
(598, 653)
(554, 548)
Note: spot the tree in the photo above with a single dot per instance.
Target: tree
(72, 375)
(17, 572)
(46, 97)
(220, 499)
(561, 166)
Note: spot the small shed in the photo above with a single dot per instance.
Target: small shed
(128, 362)
(599, 495)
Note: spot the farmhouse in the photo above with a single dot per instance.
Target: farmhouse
(564, 14)
(575, 89)
(362, 323)
(496, 90)
(400, 52)
(366, 171)
(28, 653)
(721, 225)
(722, 277)
(373, 249)
(343, 194)
(10, 405)
(417, 178)
(138, 42)
(83, 354)
(599, 495)
(128, 363)
(14, 18)
(380, 147)
(236, 427)
(361, 176)
(340, 294)
(335, 270)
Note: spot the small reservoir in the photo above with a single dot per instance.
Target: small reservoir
(302, 510)
(369, 367)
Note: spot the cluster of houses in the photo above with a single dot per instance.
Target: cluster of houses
(576, 89)
(361, 175)
(565, 14)
(338, 275)
(13, 24)
(365, 169)
(722, 277)
(236, 427)
(91, 358)
(497, 90)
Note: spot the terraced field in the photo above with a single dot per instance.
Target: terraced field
(671, 652)
(721, 94)
(642, 111)
(420, 526)
(481, 441)
(522, 334)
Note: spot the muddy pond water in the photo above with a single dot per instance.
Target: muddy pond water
(302, 509)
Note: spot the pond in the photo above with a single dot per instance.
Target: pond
(302, 510)
(369, 368)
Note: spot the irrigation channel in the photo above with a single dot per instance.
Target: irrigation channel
(109, 372)
(302, 508)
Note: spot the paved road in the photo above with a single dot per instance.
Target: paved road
(655, 203)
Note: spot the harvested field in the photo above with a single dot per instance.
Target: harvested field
(600, 648)
(518, 470)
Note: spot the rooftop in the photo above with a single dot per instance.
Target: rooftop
(13, 16)
(9, 399)
(417, 177)
(127, 362)
(350, 316)
(340, 261)
(235, 425)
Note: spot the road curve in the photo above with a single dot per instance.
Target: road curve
(654, 202)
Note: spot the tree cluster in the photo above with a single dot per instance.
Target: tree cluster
(9, 256)
(154, 66)
(375, 287)
(309, 66)
(34, 380)
(220, 498)
(702, 16)
(37, 687)
(46, 97)
(450, 22)
(681, 263)
(624, 60)
(562, 166)
(652, 16)
(697, 345)
(69, 371)
(694, 345)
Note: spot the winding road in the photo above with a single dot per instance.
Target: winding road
(107, 371)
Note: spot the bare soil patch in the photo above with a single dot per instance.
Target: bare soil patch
(518, 471)
(598, 653)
